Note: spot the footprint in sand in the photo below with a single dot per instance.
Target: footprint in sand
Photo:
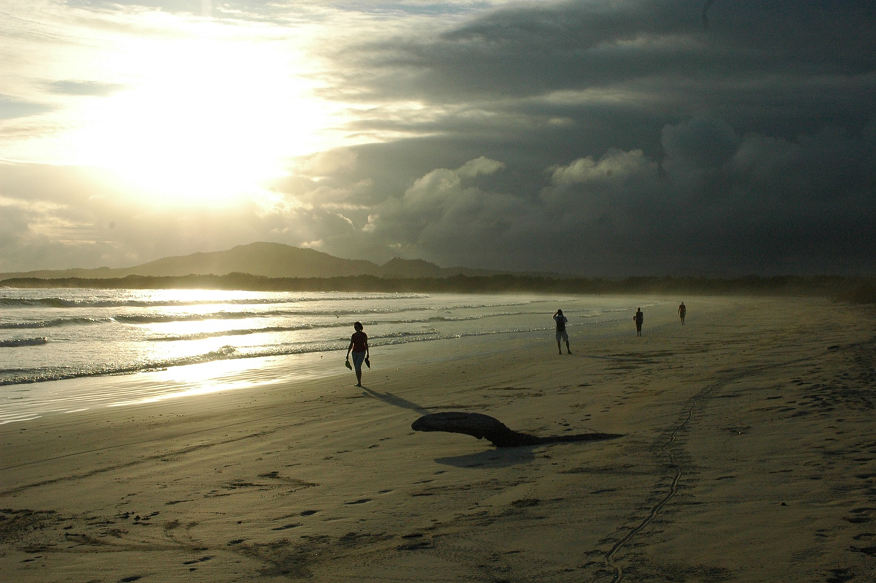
(861, 516)
(414, 543)
(362, 501)
(287, 526)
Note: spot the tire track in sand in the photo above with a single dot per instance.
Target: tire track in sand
(679, 471)
(673, 487)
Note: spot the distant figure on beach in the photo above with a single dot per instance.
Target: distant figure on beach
(561, 321)
(682, 312)
(361, 353)
(639, 318)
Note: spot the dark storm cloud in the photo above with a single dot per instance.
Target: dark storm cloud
(755, 49)
(781, 68)
(632, 138)
(595, 138)
(706, 13)
(717, 203)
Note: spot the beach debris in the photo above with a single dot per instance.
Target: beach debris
(483, 426)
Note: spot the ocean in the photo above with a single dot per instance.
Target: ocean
(50, 338)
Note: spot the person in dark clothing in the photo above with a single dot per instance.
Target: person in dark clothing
(361, 353)
(639, 318)
(561, 321)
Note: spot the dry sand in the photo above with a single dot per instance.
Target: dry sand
(748, 454)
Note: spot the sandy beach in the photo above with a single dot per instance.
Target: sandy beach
(747, 453)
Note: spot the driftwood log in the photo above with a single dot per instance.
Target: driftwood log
(484, 426)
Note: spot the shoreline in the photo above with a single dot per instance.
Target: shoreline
(81, 391)
(747, 455)
(856, 288)
(254, 326)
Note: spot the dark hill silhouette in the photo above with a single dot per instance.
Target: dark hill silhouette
(417, 268)
(266, 259)
(262, 259)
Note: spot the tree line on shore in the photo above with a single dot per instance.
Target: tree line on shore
(851, 289)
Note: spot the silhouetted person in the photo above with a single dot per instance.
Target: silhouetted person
(561, 321)
(359, 347)
(639, 318)
(682, 312)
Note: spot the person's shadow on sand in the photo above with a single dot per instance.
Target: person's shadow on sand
(397, 401)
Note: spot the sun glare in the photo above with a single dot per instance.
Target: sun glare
(207, 118)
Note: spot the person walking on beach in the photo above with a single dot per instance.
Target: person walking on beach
(639, 318)
(682, 312)
(561, 321)
(361, 353)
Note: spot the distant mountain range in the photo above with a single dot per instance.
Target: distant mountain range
(277, 267)
(262, 259)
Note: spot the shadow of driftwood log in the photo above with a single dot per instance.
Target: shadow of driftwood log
(484, 426)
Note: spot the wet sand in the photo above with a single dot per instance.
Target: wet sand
(748, 453)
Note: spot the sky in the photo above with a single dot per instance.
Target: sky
(598, 138)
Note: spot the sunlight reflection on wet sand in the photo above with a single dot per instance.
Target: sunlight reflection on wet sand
(82, 394)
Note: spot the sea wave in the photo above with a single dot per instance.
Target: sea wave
(147, 318)
(40, 340)
(232, 315)
(26, 376)
(163, 318)
(238, 332)
(339, 324)
(56, 302)
(472, 317)
(53, 323)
